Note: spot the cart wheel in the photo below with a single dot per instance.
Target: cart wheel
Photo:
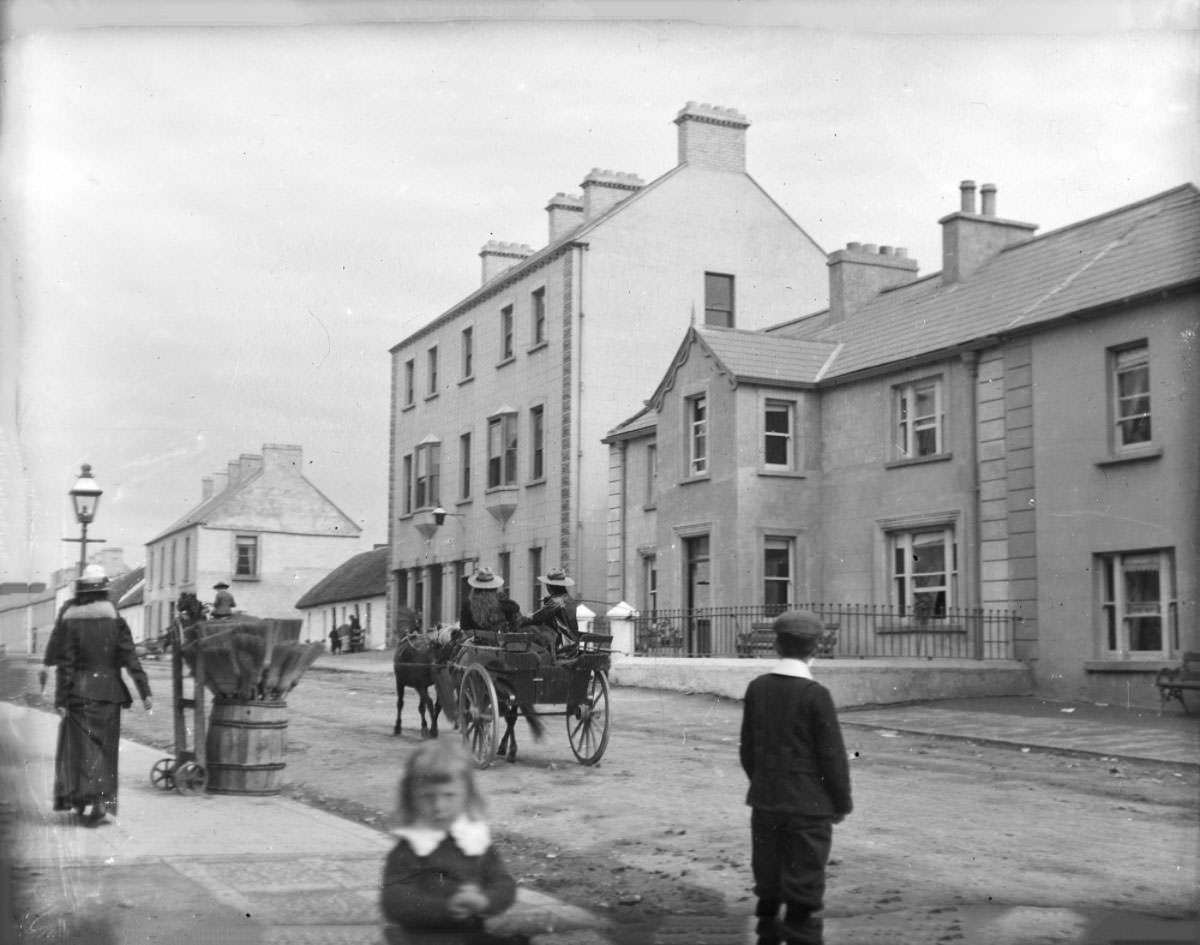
(587, 722)
(478, 709)
(191, 778)
(162, 775)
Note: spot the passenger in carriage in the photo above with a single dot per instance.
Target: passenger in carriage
(486, 612)
(554, 622)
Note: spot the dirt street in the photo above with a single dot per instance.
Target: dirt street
(658, 828)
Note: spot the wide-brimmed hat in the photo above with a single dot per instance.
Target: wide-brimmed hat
(799, 624)
(93, 578)
(483, 577)
(557, 577)
(220, 585)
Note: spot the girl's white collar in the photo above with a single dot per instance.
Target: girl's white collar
(470, 836)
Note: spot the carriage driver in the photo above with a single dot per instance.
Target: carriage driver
(556, 617)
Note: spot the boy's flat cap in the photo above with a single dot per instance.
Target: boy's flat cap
(800, 624)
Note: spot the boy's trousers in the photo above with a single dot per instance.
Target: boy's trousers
(788, 855)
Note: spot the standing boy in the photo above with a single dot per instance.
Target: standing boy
(793, 752)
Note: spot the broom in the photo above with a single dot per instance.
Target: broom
(307, 655)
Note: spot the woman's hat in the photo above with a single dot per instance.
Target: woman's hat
(219, 585)
(484, 577)
(92, 579)
(557, 577)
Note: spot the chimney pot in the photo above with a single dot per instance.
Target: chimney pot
(901, 252)
(854, 246)
(885, 250)
(870, 248)
(988, 193)
(967, 190)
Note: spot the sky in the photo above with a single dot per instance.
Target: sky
(218, 217)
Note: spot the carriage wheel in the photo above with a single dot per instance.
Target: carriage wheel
(190, 778)
(162, 775)
(587, 722)
(478, 710)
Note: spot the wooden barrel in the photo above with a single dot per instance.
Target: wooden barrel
(245, 746)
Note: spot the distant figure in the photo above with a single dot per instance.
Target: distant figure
(223, 603)
(357, 635)
(444, 877)
(335, 641)
(89, 696)
(792, 751)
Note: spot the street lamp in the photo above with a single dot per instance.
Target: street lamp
(85, 496)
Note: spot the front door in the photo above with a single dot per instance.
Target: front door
(698, 595)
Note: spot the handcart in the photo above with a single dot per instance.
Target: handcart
(186, 771)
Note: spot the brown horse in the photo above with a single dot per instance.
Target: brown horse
(413, 663)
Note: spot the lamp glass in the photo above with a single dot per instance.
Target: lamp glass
(85, 495)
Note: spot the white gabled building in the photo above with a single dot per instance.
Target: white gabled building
(262, 527)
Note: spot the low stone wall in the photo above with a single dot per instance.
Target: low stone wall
(851, 682)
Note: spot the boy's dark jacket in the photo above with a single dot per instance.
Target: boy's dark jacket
(792, 748)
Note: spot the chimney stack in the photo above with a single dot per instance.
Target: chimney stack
(604, 189)
(220, 482)
(860, 272)
(566, 214)
(206, 488)
(283, 456)
(712, 137)
(970, 239)
(498, 256)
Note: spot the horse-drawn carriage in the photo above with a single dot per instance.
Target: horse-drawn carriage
(485, 682)
(483, 679)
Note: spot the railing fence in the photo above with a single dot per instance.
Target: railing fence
(857, 631)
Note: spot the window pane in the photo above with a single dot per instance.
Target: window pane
(718, 300)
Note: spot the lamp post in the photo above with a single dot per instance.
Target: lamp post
(85, 496)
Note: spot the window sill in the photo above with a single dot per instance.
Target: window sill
(1149, 665)
(404, 515)
(466, 380)
(245, 579)
(535, 482)
(918, 461)
(506, 362)
(1132, 456)
(649, 506)
(540, 346)
(461, 502)
(429, 397)
(782, 473)
(689, 480)
(495, 490)
(409, 406)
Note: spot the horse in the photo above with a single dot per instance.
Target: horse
(416, 655)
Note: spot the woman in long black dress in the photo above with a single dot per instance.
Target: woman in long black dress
(89, 696)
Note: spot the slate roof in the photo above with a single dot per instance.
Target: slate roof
(1143, 248)
(364, 575)
(120, 586)
(204, 511)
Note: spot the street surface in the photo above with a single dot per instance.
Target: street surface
(658, 831)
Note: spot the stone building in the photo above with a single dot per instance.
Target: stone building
(262, 527)
(1016, 431)
(499, 404)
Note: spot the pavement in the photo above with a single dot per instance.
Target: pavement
(243, 870)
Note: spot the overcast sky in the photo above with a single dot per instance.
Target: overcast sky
(214, 233)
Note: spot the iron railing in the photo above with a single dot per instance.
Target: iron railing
(856, 631)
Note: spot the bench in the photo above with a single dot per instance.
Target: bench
(1171, 683)
(759, 641)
